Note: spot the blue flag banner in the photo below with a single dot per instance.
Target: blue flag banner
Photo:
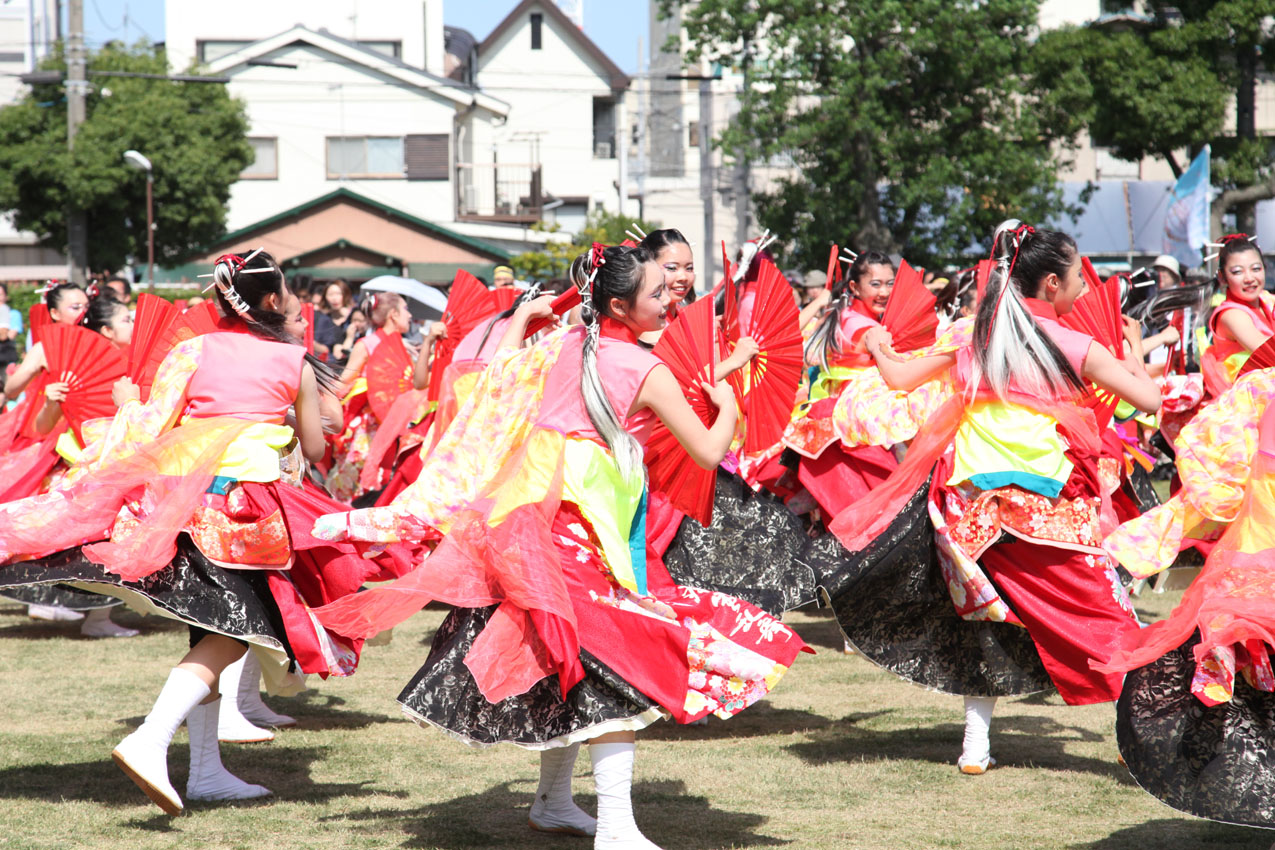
(1186, 227)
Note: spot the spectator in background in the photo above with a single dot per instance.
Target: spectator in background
(812, 283)
(355, 328)
(338, 303)
(120, 288)
(10, 330)
(1168, 274)
(502, 277)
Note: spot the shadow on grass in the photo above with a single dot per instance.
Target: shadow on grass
(823, 633)
(498, 818)
(1195, 834)
(1017, 741)
(22, 627)
(758, 721)
(320, 710)
(285, 770)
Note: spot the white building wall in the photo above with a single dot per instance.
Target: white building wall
(550, 92)
(302, 107)
(406, 21)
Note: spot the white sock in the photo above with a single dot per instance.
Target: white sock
(143, 755)
(232, 725)
(248, 696)
(209, 779)
(978, 723)
(613, 777)
(553, 809)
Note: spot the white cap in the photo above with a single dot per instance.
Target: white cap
(1167, 261)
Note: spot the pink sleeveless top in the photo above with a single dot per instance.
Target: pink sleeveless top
(469, 346)
(1263, 319)
(855, 321)
(244, 377)
(623, 367)
(1073, 344)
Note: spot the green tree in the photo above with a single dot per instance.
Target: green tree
(1165, 85)
(193, 134)
(555, 258)
(912, 123)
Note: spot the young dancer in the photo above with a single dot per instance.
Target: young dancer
(561, 633)
(1246, 317)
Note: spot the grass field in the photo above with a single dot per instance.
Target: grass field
(841, 756)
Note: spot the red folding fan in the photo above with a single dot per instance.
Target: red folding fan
(768, 384)
(564, 303)
(983, 274)
(1097, 313)
(909, 314)
(196, 321)
(153, 318)
(504, 298)
(687, 348)
(468, 304)
(89, 365)
(388, 373)
(1263, 357)
(834, 267)
(307, 316)
(38, 317)
(730, 302)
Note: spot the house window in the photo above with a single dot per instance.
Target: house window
(603, 128)
(427, 156)
(537, 20)
(365, 156)
(211, 51)
(265, 163)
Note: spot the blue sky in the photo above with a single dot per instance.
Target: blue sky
(615, 25)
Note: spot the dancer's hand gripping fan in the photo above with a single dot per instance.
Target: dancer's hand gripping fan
(89, 365)
(197, 321)
(768, 383)
(389, 375)
(909, 314)
(1097, 313)
(564, 303)
(688, 348)
(468, 304)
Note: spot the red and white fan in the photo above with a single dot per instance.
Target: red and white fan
(688, 348)
(89, 365)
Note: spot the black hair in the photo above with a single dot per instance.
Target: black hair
(824, 339)
(1008, 342)
(657, 240)
(1235, 243)
(101, 311)
(128, 287)
(57, 292)
(250, 289)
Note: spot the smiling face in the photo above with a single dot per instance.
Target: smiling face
(1065, 290)
(649, 309)
(678, 264)
(1244, 275)
(293, 322)
(71, 307)
(874, 286)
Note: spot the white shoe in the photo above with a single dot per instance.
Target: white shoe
(248, 697)
(54, 613)
(613, 777)
(232, 726)
(98, 624)
(975, 757)
(975, 767)
(553, 810)
(209, 779)
(143, 755)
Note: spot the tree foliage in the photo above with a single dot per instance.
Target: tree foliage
(913, 124)
(555, 258)
(193, 133)
(1168, 85)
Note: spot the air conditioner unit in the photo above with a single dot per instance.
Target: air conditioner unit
(602, 150)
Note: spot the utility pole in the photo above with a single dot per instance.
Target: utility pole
(742, 176)
(708, 257)
(76, 91)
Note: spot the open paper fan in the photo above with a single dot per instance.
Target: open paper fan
(90, 365)
(982, 275)
(687, 348)
(196, 321)
(307, 316)
(768, 384)
(38, 318)
(564, 303)
(468, 304)
(834, 267)
(153, 318)
(389, 375)
(909, 314)
(504, 298)
(1097, 313)
(1263, 357)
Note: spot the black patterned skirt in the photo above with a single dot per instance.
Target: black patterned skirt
(893, 605)
(191, 589)
(58, 596)
(1215, 762)
(443, 693)
(750, 550)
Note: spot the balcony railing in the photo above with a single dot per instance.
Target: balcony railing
(499, 191)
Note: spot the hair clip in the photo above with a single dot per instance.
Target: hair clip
(636, 233)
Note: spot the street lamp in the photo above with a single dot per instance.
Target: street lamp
(136, 160)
